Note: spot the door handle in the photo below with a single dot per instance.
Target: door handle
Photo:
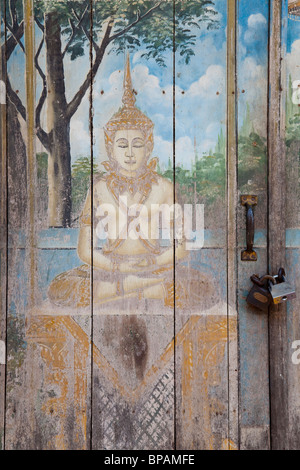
(249, 202)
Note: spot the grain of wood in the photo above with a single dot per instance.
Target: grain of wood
(133, 332)
(159, 372)
(205, 419)
(254, 419)
(49, 372)
(3, 229)
(232, 201)
(276, 236)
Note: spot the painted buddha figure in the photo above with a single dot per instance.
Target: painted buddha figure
(134, 266)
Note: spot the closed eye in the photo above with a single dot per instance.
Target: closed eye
(138, 143)
(122, 143)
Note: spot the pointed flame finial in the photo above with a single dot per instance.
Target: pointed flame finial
(129, 116)
(128, 95)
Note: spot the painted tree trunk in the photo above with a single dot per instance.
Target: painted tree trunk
(17, 170)
(59, 160)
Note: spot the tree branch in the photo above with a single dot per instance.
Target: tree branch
(39, 24)
(13, 97)
(44, 90)
(77, 26)
(75, 102)
(45, 139)
(95, 45)
(139, 18)
(8, 47)
(73, 27)
(80, 18)
(18, 41)
(36, 61)
(13, 14)
(15, 100)
(41, 134)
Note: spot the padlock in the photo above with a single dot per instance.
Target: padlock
(281, 291)
(259, 296)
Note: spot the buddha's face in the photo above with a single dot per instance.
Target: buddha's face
(130, 150)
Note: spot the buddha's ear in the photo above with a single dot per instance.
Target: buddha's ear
(109, 149)
(149, 148)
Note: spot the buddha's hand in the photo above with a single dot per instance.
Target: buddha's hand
(132, 266)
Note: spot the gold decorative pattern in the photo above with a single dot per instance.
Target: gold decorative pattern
(129, 117)
(64, 347)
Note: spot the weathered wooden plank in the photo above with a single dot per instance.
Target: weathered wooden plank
(293, 335)
(204, 329)
(132, 389)
(3, 224)
(289, 115)
(232, 278)
(252, 101)
(23, 146)
(133, 347)
(278, 345)
(48, 389)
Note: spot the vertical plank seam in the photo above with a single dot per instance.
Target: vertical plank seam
(268, 218)
(231, 145)
(5, 157)
(276, 233)
(174, 201)
(91, 123)
(30, 120)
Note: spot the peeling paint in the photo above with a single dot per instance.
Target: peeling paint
(2, 92)
(2, 352)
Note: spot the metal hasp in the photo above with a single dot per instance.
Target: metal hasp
(268, 290)
(282, 290)
(249, 201)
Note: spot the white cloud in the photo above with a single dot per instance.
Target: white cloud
(184, 151)
(80, 139)
(212, 129)
(257, 29)
(252, 78)
(211, 82)
(207, 145)
(293, 61)
(163, 149)
(200, 109)
(256, 20)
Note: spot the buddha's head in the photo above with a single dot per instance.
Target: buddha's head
(129, 133)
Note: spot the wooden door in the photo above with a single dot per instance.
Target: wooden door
(141, 341)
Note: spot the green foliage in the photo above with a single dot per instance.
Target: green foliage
(42, 186)
(155, 31)
(81, 180)
(293, 129)
(252, 161)
(10, 13)
(292, 117)
(16, 344)
(205, 182)
(42, 166)
(152, 24)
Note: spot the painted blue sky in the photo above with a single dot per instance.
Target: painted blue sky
(200, 86)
